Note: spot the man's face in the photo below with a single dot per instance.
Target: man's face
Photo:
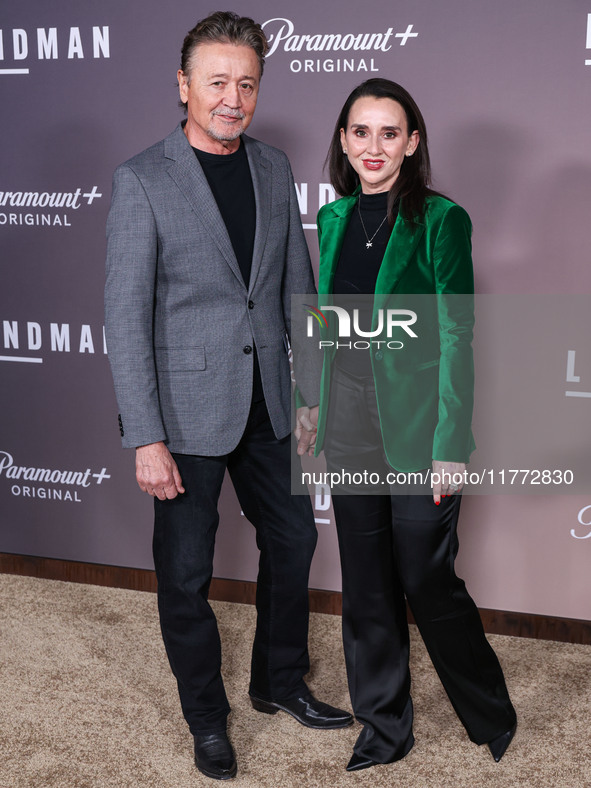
(221, 92)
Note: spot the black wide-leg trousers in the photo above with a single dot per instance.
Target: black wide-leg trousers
(392, 548)
(183, 545)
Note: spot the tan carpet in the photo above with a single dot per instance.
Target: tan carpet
(87, 700)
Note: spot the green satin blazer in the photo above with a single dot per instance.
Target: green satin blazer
(424, 395)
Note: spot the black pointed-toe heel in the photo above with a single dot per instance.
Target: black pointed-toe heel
(358, 762)
(498, 747)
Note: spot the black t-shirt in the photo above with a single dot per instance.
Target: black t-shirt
(230, 181)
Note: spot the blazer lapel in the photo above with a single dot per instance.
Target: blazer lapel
(399, 252)
(188, 175)
(334, 227)
(261, 171)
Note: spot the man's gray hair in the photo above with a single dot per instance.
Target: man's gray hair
(224, 27)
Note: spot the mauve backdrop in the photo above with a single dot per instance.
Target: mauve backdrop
(505, 88)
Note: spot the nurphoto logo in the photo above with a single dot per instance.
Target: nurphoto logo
(388, 321)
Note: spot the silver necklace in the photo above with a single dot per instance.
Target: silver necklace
(369, 240)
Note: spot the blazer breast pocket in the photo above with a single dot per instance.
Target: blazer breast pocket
(180, 359)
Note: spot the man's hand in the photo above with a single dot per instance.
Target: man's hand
(306, 428)
(444, 483)
(156, 471)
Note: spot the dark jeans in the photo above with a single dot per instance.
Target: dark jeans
(392, 547)
(184, 535)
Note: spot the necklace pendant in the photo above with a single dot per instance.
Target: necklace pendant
(369, 240)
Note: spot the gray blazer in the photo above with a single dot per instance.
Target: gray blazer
(179, 318)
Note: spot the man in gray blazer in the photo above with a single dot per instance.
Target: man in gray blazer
(205, 248)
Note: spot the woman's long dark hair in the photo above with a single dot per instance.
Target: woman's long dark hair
(414, 178)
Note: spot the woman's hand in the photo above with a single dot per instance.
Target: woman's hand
(448, 478)
(306, 429)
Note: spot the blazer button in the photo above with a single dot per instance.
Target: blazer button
(251, 304)
(247, 349)
(379, 355)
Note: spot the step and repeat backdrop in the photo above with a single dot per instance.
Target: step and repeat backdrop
(505, 89)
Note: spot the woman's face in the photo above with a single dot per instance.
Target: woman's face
(376, 141)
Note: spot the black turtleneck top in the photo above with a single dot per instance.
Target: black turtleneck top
(358, 265)
(357, 271)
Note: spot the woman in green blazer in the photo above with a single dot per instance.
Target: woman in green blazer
(393, 238)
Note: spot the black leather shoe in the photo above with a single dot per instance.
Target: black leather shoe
(214, 756)
(498, 746)
(306, 709)
(358, 762)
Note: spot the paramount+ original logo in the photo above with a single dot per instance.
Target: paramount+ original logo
(50, 484)
(359, 51)
(43, 209)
